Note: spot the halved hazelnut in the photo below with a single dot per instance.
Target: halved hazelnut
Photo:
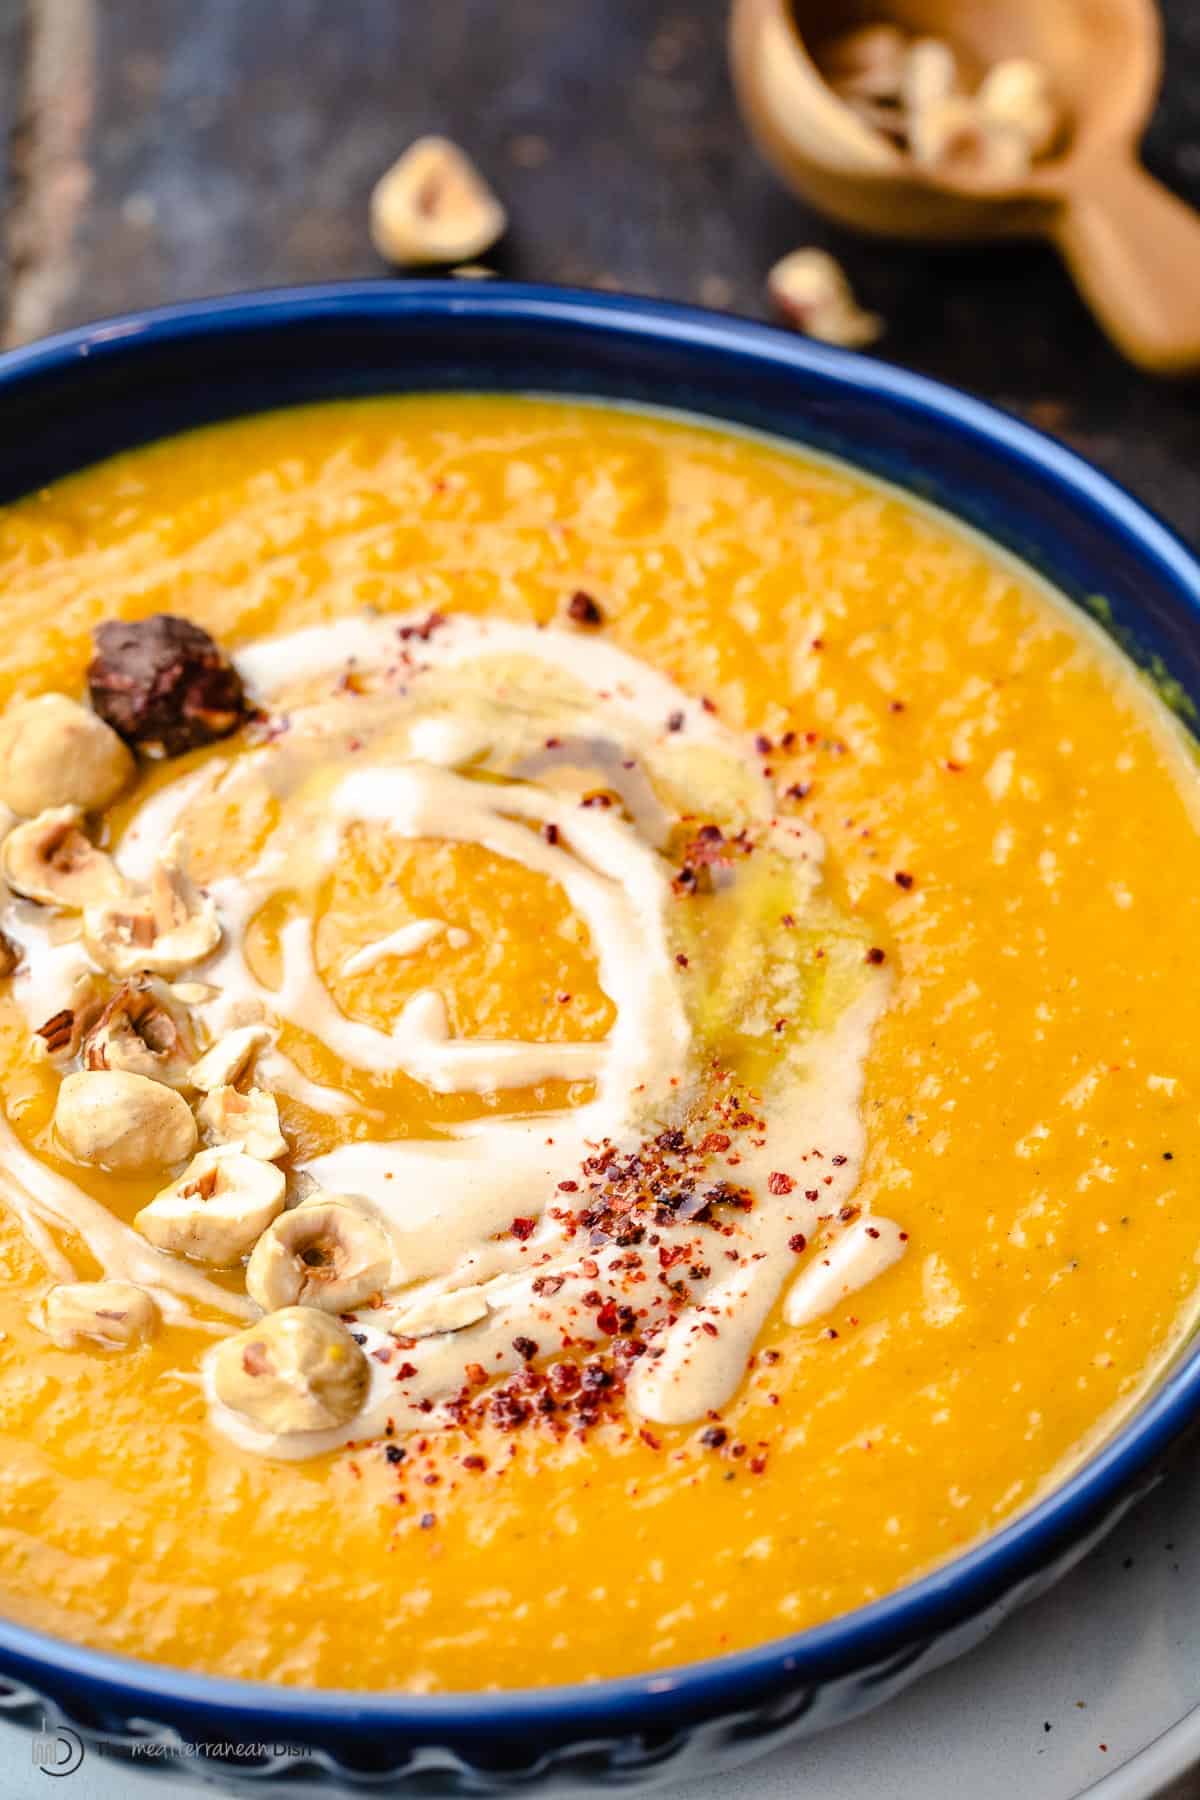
(217, 1210)
(810, 289)
(49, 859)
(54, 752)
(228, 1059)
(955, 133)
(250, 1121)
(325, 1253)
(296, 1370)
(433, 206)
(443, 1312)
(144, 1030)
(114, 1314)
(162, 931)
(125, 1123)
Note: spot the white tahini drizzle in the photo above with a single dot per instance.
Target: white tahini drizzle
(471, 733)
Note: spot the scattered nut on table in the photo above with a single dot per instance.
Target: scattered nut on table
(164, 684)
(144, 1030)
(218, 1208)
(325, 1253)
(54, 752)
(250, 1121)
(124, 1123)
(50, 859)
(296, 1370)
(162, 931)
(433, 206)
(810, 290)
(114, 1314)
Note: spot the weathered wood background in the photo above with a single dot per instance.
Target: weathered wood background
(158, 149)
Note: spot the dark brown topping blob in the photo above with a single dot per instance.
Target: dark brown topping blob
(163, 684)
(10, 956)
(583, 610)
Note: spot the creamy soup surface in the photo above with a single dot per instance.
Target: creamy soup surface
(594, 1044)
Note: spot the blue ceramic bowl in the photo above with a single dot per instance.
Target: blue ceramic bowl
(78, 397)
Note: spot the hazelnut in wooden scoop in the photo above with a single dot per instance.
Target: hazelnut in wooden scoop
(164, 684)
(296, 1370)
(54, 752)
(433, 206)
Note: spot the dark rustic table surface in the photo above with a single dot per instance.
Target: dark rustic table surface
(162, 149)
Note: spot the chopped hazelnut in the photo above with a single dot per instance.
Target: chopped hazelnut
(433, 206)
(162, 931)
(144, 1030)
(163, 684)
(250, 1121)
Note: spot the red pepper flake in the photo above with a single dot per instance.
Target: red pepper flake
(757, 1464)
(763, 744)
(799, 790)
(714, 1437)
(523, 1228)
(609, 1319)
(779, 1183)
(955, 768)
(648, 1437)
(474, 1462)
(903, 879)
(788, 920)
(896, 706)
(710, 706)
(525, 1348)
(395, 1454)
(675, 721)
(428, 1521)
(424, 631)
(583, 609)
(798, 1243)
(406, 1371)
(838, 1161)
(716, 1140)
(709, 1328)
(681, 959)
(550, 833)
(568, 1187)
(875, 955)
(872, 1232)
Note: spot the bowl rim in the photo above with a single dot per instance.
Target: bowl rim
(955, 1591)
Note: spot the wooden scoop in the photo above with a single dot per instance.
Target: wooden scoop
(1132, 247)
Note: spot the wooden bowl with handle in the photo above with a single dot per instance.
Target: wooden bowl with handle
(1131, 245)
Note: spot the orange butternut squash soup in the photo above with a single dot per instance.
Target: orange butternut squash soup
(597, 1044)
